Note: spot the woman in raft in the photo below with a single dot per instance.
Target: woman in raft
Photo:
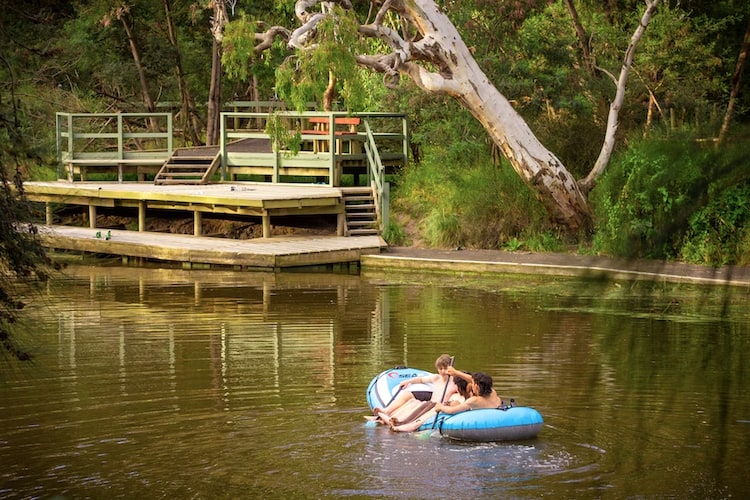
(407, 406)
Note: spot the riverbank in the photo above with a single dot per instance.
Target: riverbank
(452, 260)
(553, 264)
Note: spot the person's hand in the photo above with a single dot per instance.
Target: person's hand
(450, 371)
(404, 383)
(439, 407)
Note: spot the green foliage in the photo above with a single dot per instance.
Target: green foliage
(669, 199)
(395, 235)
(21, 255)
(468, 202)
(238, 47)
(304, 78)
(719, 234)
(282, 134)
(644, 201)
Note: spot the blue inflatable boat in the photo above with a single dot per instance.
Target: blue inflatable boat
(511, 423)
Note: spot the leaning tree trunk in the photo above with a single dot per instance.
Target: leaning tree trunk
(434, 56)
(148, 101)
(460, 76)
(555, 187)
(735, 85)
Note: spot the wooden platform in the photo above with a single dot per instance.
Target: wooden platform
(262, 253)
(263, 200)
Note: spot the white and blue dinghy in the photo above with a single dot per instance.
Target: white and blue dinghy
(510, 423)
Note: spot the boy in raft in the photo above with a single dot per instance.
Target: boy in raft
(406, 406)
(459, 397)
(484, 395)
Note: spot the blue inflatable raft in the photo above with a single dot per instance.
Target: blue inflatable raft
(513, 423)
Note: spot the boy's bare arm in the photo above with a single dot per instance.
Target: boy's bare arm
(458, 373)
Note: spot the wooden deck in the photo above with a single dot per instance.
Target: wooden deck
(193, 251)
(262, 200)
(237, 199)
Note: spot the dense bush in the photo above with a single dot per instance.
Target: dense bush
(719, 233)
(669, 199)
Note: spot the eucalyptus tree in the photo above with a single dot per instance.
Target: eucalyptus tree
(416, 39)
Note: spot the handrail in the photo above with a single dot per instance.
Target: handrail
(376, 174)
(68, 131)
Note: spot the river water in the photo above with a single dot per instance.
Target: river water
(160, 383)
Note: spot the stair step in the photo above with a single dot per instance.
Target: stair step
(178, 181)
(192, 158)
(186, 166)
(359, 215)
(182, 174)
(356, 190)
(361, 223)
(362, 232)
(358, 198)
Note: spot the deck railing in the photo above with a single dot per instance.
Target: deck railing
(89, 140)
(381, 140)
(142, 142)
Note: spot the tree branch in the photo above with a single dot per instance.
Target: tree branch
(266, 38)
(614, 109)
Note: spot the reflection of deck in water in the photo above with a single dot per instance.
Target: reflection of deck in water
(250, 345)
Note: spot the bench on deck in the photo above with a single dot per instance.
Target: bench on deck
(137, 165)
(345, 125)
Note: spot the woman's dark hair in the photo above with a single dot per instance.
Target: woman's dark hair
(484, 383)
(463, 386)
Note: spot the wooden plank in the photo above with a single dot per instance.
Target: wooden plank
(262, 253)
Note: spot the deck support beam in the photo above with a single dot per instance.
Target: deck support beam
(141, 216)
(48, 213)
(197, 223)
(92, 216)
(266, 217)
(341, 224)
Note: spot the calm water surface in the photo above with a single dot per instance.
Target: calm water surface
(211, 384)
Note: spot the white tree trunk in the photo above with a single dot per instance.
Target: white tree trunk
(461, 77)
(613, 119)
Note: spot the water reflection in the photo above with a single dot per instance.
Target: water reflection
(193, 383)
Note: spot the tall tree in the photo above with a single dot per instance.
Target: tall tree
(187, 103)
(739, 68)
(427, 48)
(22, 256)
(122, 14)
(218, 22)
(613, 120)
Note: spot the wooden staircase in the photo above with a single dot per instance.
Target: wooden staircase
(361, 211)
(189, 166)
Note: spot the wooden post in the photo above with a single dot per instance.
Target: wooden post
(141, 216)
(266, 225)
(48, 213)
(197, 223)
(341, 224)
(92, 216)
